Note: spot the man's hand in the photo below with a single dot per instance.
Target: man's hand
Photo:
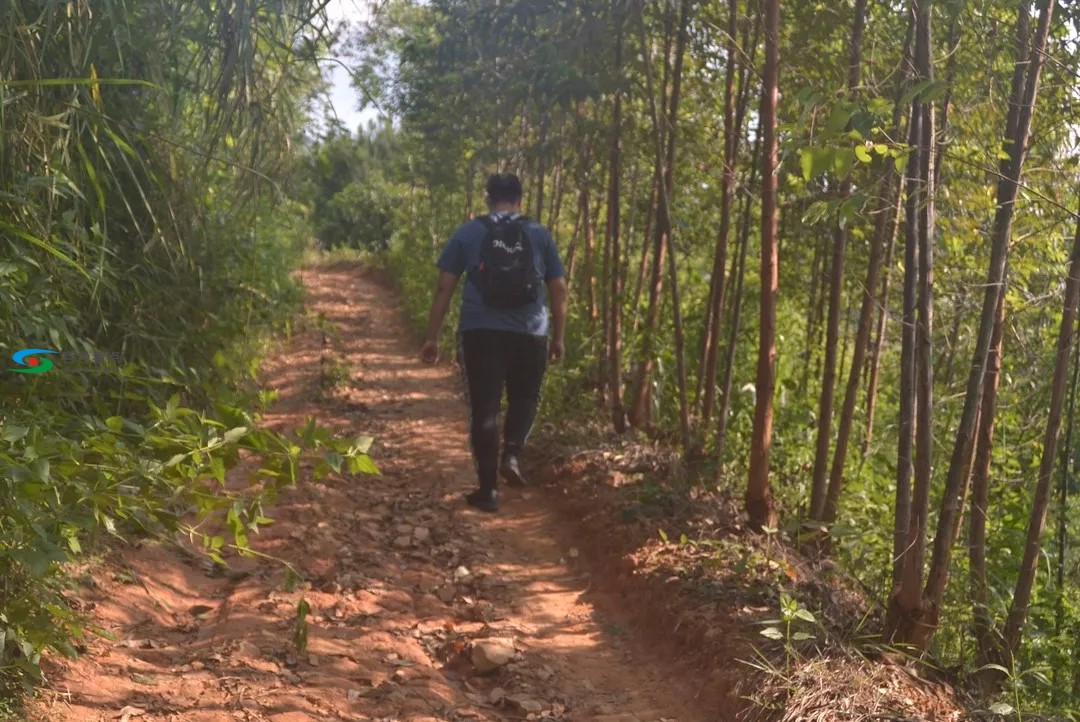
(444, 291)
(557, 293)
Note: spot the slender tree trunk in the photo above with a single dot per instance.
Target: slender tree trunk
(1060, 684)
(986, 643)
(470, 175)
(819, 487)
(760, 505)
(945, 378)
(909, 547)
(541, 164)
(1025, 581)
(639, 408)
(962, 449)
(952, 45)
(883, 304)
(882, 317)
(711, 354)
(813, 304)
(882, 226)
(739, 275)
(572, 246)
(590, 266)
(559, 183)
(643, 266)
(618, 413)
(984, 420)
(668, 187)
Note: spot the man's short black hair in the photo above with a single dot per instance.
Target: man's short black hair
(503, 188)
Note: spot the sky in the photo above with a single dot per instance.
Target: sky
(342, 95)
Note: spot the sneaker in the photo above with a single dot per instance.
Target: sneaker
(511, 471)
(483, 499)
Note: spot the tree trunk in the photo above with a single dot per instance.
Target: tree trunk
(1025, 581)
(819, 485)
(643, 265)
(711, 355)
(879, 334)
(541, 165)
(470, 174)
(813, 304)
(1062, 518)
(959, 463)
(589, 267)
(614, 345)
(668, 188)
(639, 407)
(760, 505)
(904, 613)
(986, 642)
(882, 317)
(882, 226)
(739, 275)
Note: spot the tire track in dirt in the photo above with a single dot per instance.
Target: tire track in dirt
(402, 580)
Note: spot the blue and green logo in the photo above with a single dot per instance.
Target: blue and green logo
(33, 365)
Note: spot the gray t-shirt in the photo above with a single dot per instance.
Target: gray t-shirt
(462, 254)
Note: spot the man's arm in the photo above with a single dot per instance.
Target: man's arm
(557, 292)
(444, 294)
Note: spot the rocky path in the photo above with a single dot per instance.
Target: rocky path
(412, 596)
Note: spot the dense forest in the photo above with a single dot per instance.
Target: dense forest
(829, 251)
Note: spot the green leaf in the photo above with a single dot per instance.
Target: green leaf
(40, 467)
(805, 615)
(1000, 708)
(806, 162)
(335, 460)
(816, 160)
(217, 466)
(362, 464)
(14, 433)
(901, 162)
(801, 636)
(862, 154)
(772, 633)
(115, 424)
(997, 667)
(837, 120)
(843, 160)
(663, 534)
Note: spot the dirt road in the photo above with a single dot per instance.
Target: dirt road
(407, 587)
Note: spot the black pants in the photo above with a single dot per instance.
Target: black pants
(494, 360)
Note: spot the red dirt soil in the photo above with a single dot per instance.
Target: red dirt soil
(402, 578)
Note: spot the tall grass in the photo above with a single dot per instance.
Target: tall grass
(145, 163)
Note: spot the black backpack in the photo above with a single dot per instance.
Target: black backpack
(506, 275)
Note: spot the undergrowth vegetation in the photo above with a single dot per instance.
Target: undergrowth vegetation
(147, 238)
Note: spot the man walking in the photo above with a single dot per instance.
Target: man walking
(508, 260)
